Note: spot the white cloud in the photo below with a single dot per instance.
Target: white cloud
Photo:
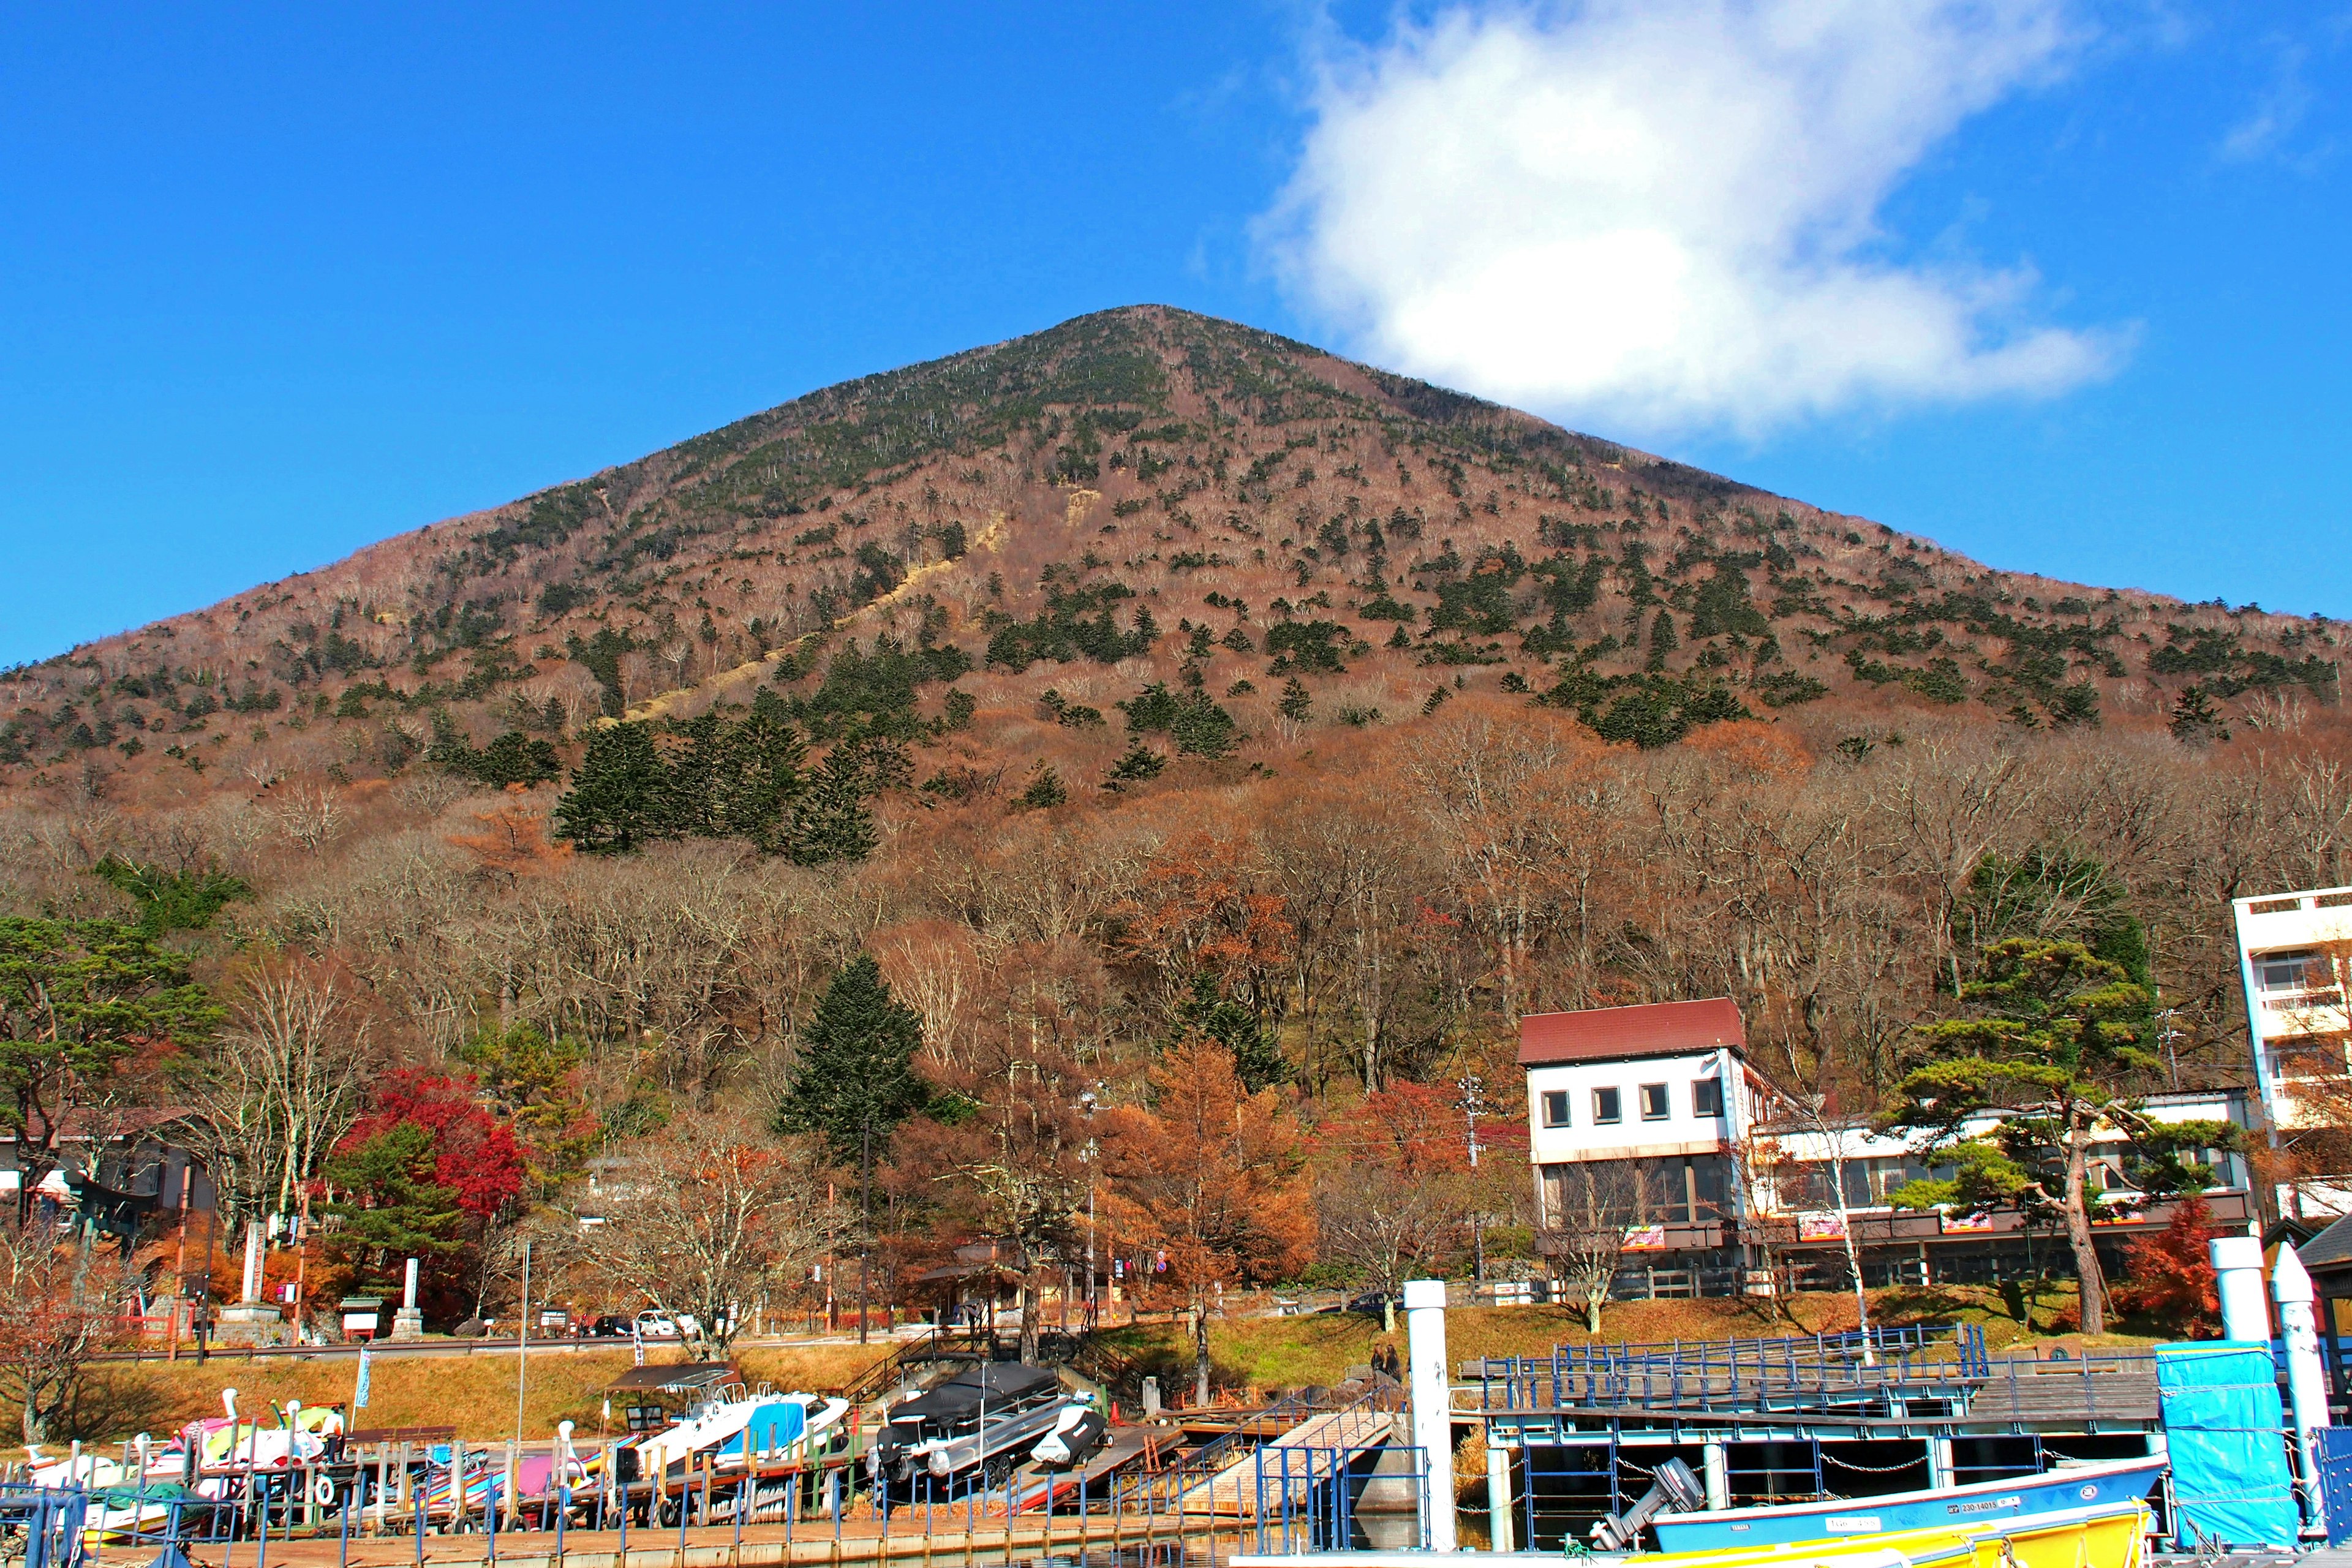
(1662, 215)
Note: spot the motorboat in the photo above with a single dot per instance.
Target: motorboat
(2006, 1502)
(979, 1426)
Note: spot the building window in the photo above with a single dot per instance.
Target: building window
(1655, 1107)
(2280, 971)
(1555, 1108)
(1606, 1107)
(1706, 1097)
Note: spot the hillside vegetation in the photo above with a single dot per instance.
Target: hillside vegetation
(1147, 679)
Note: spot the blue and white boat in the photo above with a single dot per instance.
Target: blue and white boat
(1946, 1508)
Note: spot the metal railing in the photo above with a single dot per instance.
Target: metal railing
(1851, 1372)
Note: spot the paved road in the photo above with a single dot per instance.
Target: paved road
(428, 1347)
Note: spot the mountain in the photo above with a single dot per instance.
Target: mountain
(1136, 496)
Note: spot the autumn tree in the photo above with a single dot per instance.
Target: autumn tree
(2169, 1279)
(1397, 1192)
(1214, 1176)
(426, 1168)
(711, 1219)
(59, 1308)
(1004, 1153)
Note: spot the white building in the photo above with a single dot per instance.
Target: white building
(1705, 1161)
(2294, 954)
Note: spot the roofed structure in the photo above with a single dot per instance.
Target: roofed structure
(1653, 1030)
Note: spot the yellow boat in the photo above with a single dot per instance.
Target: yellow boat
(2106, 1535)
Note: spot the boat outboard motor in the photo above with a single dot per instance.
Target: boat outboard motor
(1675, 1491)
(1078, 1432)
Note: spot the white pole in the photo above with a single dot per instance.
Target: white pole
(522, 1340)
(2307, 1379)
(1432, 1401)
(2238, 1273)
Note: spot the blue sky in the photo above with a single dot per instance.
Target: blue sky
(2061, 285)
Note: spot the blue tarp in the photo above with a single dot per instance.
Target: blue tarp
(772, 1426)
(2226, 1435)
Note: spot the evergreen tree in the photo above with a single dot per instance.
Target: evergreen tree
(2059, 1036)
(855, 1081)
(1207, 1012)
(1139, 763)
(1295, 703)
(1662, 639)
(392, 1207)
(833, 823)
(620, 794)
(1046, 789)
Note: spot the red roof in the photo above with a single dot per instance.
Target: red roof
(1656, 1029)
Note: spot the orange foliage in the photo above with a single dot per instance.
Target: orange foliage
(1213, 1176)
(2171, 1275)
(1753, 747)
(1194, 907)
(513, 844)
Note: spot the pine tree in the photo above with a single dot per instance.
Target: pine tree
(1046, 789)
(855, 1081)
(1295, 703)
(1207, 1012)
(833, 823)
(1141, 762)
(620, 793)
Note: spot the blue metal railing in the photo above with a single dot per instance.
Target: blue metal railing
(1816, 1371)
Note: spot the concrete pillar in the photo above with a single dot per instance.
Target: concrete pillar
(408, 1322)
(1432, 1401)
(2238, 1272)
(1500, 1525)
(1718, 1476)
(252, 1290)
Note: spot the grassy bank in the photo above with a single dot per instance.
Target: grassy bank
(475, 1394)
(1252, 1357)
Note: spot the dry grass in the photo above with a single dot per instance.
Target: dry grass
(476, 1393)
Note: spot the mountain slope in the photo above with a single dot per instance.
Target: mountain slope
(1134, 496)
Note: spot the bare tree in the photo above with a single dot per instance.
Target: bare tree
(58, 1308)
(282, 1086)
(309, 815)
(1587, 1213)
(711, 1217)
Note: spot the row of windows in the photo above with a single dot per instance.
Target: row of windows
(1657, 1104)
(1676, 1190)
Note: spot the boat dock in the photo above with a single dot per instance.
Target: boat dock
(1574, 1436)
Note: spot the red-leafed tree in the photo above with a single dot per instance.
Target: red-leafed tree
(2171, 1279)
(427, 1171)
(474, 1154)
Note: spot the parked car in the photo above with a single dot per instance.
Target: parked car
(610, 1326)
(653, 1325)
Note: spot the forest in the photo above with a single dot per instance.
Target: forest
(1142, 772)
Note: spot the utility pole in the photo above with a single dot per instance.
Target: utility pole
(523, 1339)
(1474, 1102)
(1087, 1098)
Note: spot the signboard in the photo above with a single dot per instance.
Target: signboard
(1643, 1237)
(1952, 1223)
(1820, 1227)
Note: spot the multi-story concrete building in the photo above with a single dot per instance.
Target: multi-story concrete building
(2294, 957)
(1655, 1112)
